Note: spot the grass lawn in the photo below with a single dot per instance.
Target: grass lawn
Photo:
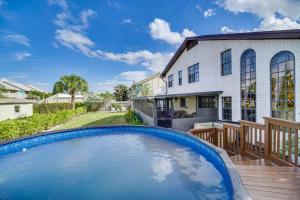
(94, 119)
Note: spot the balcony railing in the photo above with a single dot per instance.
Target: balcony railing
(277, 140)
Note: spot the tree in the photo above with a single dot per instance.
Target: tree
(71, 84)
(121, 92)
(1, 91)
(106, 96)
(145, 90)
(38, 95)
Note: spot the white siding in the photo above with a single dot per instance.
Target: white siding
(7, 111)
(207, 54)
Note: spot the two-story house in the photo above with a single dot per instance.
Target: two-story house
(231, 77)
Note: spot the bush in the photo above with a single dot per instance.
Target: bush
(94, 103)
(45, 108)
(132, 118)
(10, 129)
(116, 106)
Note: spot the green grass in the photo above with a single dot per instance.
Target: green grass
(94, 119)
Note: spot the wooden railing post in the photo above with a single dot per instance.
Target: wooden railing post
(242, 138)
(267, 139)
(225, 130)
(216, 136)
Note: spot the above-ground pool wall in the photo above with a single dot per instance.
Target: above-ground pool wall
(146, 119)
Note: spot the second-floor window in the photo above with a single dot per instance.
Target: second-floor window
(193, 72)
(180, 77)
(226, 62)
(170, 80)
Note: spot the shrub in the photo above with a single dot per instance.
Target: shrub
(116, 106)
(93, 103)
(132, 118)
(10, 129)
(45, 108)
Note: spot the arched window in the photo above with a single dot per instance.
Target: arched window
(248, 85)
(283, 85)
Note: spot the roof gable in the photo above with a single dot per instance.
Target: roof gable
(263, 35)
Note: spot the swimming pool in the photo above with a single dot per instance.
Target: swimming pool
(116, 162)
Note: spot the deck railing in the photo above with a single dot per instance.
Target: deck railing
(277, 140)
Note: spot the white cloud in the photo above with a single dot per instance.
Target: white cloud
(198, 7)
(17, 38)
(274, 14)
(85, 15)
(226, 29)
(75, 41)
(208, 13)
(65, 19)
(134, 75)
(125, 78)
(160, 30)
(22, 55)
(127, 21)
(61, 3)
(72, 36)
(155, 62)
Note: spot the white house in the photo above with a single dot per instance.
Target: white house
(231, 77)
(17, 90)
(15, 108)
(64, 98)
(154, 83)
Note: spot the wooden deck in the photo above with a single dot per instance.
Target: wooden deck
(265, 180)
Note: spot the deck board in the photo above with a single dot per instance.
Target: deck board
(264, 180)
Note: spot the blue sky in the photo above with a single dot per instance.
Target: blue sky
(117, 41)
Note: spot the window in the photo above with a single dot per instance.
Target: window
(283, 85)
(227, 113)
(180, 77)
(248, 85)
(193, 72)
(226, 62)
(17, 109)
(183, 103)
(170, 80)
(207, 102)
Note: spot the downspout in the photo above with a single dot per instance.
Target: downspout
(166, 84)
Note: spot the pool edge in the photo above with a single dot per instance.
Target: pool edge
(239, 190)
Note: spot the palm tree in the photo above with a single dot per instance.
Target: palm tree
(121, 92)
(71, 84)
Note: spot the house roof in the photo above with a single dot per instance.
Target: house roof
(34, 88)
(263, 35)
(147, 79)
(208, 93)
(15, 101)
(11, 85)
(7, 86)
(19, 85)
(64, 95)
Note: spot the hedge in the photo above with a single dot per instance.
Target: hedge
(54, 107)
(132, 118)
(11, 129)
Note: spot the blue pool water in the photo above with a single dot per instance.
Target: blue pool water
(127, 164)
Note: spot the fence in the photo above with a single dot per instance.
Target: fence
(277, 140)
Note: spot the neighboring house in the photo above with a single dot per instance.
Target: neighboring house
(17, 90)
(64, 98)
(150, 86)
(229, 77)
(15, 108)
